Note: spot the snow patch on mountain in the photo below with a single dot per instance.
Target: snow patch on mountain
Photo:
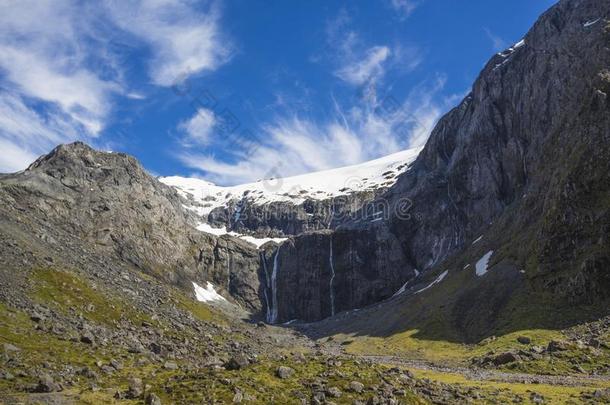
(207, 294)
(258, 242)
(372, 175)
(482, 264)
(440, 278)
(590, 23)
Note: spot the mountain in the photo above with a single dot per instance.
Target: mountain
(520, 167)
(485, 255)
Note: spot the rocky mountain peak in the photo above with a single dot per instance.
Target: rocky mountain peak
(77, 164)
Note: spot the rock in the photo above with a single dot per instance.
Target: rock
(107, 369)
(602, 394)
(536, 398)
(504, 358)
(557, 346)
(284, 372)
(87, 338)
(47, 384)
(152, 399)
(5, 375)
(578, 369)
(237, 362)
(155, 348)
(356, 386)
(170, 365)
(136, 388)
(9, 348)
(524, 340)
(36, 317)
(87, 372)
(334, 392)
(117, 365)
(318, 397)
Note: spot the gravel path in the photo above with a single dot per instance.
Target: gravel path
(478, 374)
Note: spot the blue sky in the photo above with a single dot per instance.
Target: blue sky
(241, 90)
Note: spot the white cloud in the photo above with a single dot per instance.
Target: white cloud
(293, 145)
(60, 71)
(42, 55)
(52, 92)
(403, 8)
(198, 128)
(368, 68)
(182, 40)
(13, 157)
(361, 65)
(498, 44)
(26, 134)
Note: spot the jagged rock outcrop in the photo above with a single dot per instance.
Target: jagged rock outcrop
(110, 203)
(524, 160)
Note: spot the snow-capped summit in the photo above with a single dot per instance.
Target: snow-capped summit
(322, 185)
(248, 210)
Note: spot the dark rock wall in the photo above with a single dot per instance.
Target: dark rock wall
(529, 147)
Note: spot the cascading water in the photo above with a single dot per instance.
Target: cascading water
(229, 272)
(272, 313)
(332, 279)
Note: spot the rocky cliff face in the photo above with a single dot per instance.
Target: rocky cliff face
(523, 161)
(280, 219)
(110, 203)
(293, 205)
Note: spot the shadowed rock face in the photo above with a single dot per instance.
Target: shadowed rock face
(278, 219)
(109, 202)
(524, 160)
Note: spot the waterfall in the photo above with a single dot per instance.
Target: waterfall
(332, 278)
(264, 260)
(273, 311)
(229, 272)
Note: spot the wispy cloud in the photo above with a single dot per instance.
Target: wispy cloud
(43, 57)
(358, 63)
(359, 128)
(294, 145)
(370, 66)
(498, 44)
(60, 73)
(404, 8)
(183, 40)
(26, 134)
(198, 129)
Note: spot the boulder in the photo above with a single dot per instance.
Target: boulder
(237, 362)
(284, 372)
(47, 384)
(505, 358)
(356, 386)
(136, 388)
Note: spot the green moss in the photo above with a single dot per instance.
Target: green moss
(71, 294)
(198, 309)
(37, 346)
